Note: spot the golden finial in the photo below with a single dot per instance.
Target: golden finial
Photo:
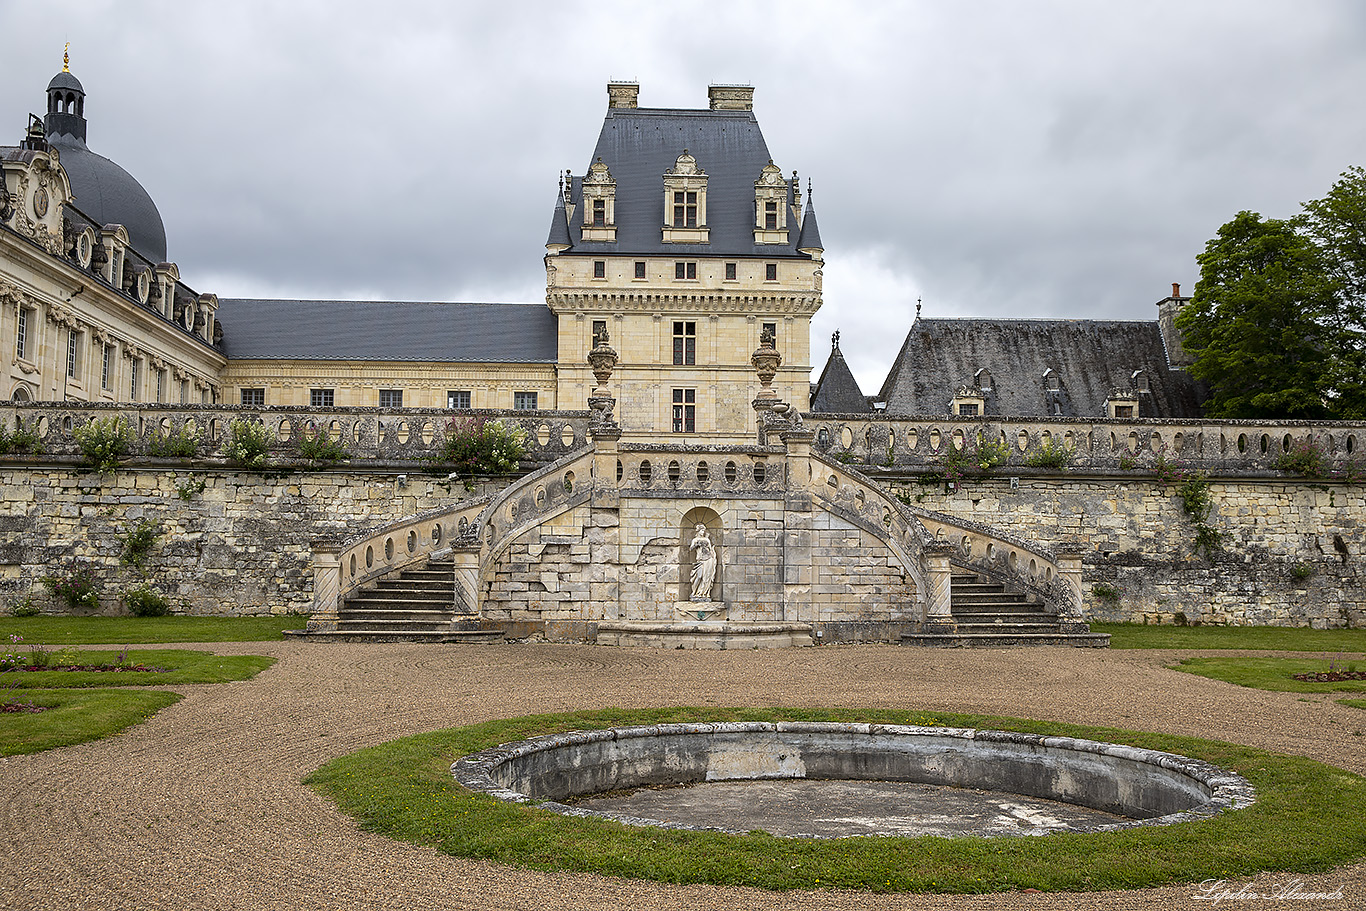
(66, 58)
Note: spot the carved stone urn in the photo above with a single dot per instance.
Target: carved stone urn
(602, 360)
(766, 360)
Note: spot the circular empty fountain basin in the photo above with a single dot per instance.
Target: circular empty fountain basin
(816, 779)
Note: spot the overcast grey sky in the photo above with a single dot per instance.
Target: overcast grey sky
(1006, 159)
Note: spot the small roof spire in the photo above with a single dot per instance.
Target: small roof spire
(66, 58)
(917, 308)
(835, 341)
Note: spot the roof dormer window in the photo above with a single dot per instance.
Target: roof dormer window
(685, 203)
(1139, 381)
(982, 379)
(1051, 381)
(599, 201)
(770, 206)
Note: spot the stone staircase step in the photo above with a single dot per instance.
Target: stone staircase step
(988, 616)
(1008, 639)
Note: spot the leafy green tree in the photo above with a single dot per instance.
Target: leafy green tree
(1263, 324)
(1337, 223)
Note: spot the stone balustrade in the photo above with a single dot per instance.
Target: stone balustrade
(930, 543)
(1096, 444)
(703, 471)
(340, 569)
(371, 434)
(532, 500)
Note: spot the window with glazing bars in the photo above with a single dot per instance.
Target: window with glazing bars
(321, 398)
(391, 398)
(73, 352)
(685, 209)
(685, 343)
(685, 411)
(771, 216)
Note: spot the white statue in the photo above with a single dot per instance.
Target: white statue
(703, 565)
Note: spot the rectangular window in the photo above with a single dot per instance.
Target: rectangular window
(967, 411)
(730, 272)
(21, 337)
(133, 379)
(161, 385)
(685, 270)
(685, 209)
(599, 213)
(771, 330)
(73, 354)
(685, 343)
(524, 401)
(640, 270)
(391, 398)
(458, 398)
(599, 268)
(1125, 412)
(254, 397)
(106, 367)
(685, 411)
(771, 272)
(321, 398)
(184, 392)
(599, 327)
(771, 216)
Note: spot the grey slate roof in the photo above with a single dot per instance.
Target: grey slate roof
(388, 331)
(559, 224)
(639, 144)
(837, 391)
(1091, 357)
(811, 233)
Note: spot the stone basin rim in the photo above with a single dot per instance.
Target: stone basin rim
(1210, 789)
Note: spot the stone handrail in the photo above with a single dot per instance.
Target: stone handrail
(1097, 444)
(401, 435)
(529, 501)
(918, 536)
(1055, 580)
(340, 569)
(861, 501)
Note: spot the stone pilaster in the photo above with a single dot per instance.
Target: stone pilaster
(939, 598)
(326, 588)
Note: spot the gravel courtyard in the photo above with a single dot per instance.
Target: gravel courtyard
(201, 807)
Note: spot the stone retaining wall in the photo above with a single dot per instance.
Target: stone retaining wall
(1292, 553)
(239, 546)
(1137, 539)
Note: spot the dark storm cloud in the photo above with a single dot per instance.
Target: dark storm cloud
(996, 159)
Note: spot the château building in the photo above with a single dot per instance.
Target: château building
(682, 239)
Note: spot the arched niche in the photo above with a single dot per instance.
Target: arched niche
(687, 530)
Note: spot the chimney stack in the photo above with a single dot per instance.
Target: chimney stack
(731, 97)
(622, 94)
(1176, 289)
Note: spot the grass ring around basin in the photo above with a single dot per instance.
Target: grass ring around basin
(1302, 820)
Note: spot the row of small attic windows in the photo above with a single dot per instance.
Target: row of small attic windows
(1122, 402)
(685, 203)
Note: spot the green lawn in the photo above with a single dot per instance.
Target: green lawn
(1353, 703)
(1279, 638)
(75, 717)
(1276, 674)
(404, 790)
(182, 666)
(146, 630)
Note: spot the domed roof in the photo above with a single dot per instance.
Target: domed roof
(64, 80)
(103, 190)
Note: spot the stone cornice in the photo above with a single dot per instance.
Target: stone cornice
(796, 302)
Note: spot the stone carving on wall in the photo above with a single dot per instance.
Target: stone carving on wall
(704, 565)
